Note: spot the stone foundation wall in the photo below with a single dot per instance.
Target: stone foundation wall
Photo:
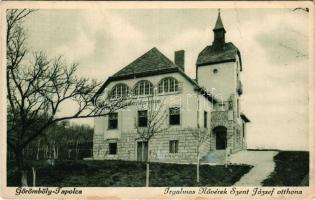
(159, 144)
(205, 147)
(158, 147)
(99, 150)
(237, 138)
(187, 147)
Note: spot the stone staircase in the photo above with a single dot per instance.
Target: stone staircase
(216, 157)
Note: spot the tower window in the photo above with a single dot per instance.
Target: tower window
(215, 71)
(243, 129)
(205, 119)
(238, 108)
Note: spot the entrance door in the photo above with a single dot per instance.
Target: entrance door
(142, 151)
(220, 133)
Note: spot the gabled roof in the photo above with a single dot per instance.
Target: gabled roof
(211, 56)
(153, 60)
(151, 63)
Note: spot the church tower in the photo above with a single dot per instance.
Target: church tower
(218, 70)
(219, 34)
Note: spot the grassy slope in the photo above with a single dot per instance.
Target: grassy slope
(126, 173)
(292, 168)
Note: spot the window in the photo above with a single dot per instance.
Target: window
(143, 88)
(238, 108)
(119, 91)
(237, 67)
(143, 118)
(168, 85)
(230, 104)
(243, 129)
(215, 71)
(238, 137)
(112, 148)
(173, 146)
(222, 104)
(113, 121)
(174, 116)
(205, 119)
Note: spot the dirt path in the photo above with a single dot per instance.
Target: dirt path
(263, 165)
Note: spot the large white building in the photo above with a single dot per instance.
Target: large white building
(188, 118)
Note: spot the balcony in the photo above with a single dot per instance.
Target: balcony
(219, 116)
(222, 106)
(239, 88)
(222, 115)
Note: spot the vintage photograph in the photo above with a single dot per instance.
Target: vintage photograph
(157, 97)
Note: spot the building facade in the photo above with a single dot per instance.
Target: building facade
(171, 117)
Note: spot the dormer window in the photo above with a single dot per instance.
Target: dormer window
(119, 91)
(168, 85)
(215, 71)
(143, 88)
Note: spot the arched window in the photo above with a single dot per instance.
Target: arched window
(168, 85)
(143, 88)
(120, 90)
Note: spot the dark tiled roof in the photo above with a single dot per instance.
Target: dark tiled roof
(151, 63)
(152, 60)
(210, 56)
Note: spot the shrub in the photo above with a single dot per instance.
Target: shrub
(292, 169)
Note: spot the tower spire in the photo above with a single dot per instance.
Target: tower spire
(218, 24)
(219, 33)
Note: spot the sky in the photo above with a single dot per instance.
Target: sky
(273, 45)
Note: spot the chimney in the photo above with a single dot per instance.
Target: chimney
(180, 59)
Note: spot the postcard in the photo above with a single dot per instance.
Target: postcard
(157, 100)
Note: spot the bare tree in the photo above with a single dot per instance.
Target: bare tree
(79, 135)
(153, 124)
(38, 87)
(201, 136)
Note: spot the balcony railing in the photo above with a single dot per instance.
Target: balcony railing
(222, 106)
(222, 115)
(219, 116)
